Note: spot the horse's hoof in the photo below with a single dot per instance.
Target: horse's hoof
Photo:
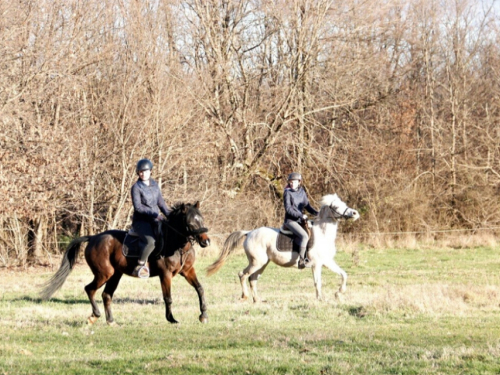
(113, 324)
(258, 300)
(203, 319)
(339, 296)
(92, 319)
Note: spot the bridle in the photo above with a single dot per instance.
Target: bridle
(192, 234)
(338, 215)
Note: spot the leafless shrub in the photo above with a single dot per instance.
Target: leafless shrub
(377, 102)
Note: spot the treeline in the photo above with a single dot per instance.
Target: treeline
(392, 104)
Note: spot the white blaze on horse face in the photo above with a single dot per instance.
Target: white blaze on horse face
(199, 221)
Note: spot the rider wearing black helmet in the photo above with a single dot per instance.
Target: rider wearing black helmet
(148, 206)
(295, 200)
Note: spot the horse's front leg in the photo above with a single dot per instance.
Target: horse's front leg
(166, 286)
(335, 268)
(316, 270)
(190, 276)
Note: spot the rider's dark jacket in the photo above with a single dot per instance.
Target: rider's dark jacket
(295, 202)
(147, 201)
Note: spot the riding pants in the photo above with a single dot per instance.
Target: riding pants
(147, 239)
(301, 234)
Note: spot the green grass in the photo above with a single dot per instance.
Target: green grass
(404, 312)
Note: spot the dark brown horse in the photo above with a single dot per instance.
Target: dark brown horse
(108, 264)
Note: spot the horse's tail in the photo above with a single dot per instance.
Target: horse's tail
(230, 244)
(68, 261)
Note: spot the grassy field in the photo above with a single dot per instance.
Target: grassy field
(404, 312)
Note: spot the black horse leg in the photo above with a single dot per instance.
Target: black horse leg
(91, 289)
(166, 285)
(107, 296)
(191, 278)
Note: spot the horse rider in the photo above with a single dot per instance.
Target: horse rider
(295, 200)
(149, 206)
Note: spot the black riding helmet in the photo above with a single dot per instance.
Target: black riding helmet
(143, 164)
(295, 176)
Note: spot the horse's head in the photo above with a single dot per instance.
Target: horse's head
(188, 221)
(332, 206)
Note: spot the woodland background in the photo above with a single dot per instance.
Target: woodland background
(392, 104)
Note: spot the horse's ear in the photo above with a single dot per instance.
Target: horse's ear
(197, 204)
(182, 208)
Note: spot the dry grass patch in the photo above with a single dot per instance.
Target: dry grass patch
(408, 311)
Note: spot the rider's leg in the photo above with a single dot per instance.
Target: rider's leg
(303, 238)
(148, 249)
(147, 244)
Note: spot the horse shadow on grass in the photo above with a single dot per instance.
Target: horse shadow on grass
(83, 301)
(37, 300)
(357, 311)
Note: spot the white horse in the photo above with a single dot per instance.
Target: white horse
(260, 248)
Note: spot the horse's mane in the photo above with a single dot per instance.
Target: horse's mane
(327, 200)
(178, 206)
(180, 209)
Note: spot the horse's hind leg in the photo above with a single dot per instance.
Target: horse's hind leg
(250, 270)
(91, 289)
(253, 283)
(107, 297)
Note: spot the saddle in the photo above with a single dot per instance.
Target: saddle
(132, 247)
(286, 240)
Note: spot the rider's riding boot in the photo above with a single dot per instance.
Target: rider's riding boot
(141, 270)
(303, 261)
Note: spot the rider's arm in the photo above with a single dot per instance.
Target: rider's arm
(311, 209)
(163, 206)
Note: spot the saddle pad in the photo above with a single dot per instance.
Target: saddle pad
(131, 244)
(131, 247)
(285, 242)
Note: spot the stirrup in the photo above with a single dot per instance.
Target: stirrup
(141, 271)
